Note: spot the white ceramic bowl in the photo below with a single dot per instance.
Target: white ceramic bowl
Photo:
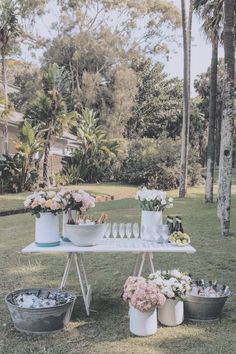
(85, 235)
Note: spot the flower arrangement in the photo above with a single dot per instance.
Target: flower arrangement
(42, 202)
(173, 284)
(143, 294)
(153, 199)
(79, 201)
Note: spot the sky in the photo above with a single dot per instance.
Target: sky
(201, 53)
(201, 49)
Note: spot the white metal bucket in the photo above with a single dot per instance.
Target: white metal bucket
(143, 323)
(171, 313)
(47, 230)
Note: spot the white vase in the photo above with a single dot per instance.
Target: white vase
(149, 222)
(171, 313)
(142, 323)
(64, 222)
(47, 230)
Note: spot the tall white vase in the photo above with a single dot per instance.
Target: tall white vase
(47, 230)
(142, 323)
(64, 222)
(171, 313)
(149, 221)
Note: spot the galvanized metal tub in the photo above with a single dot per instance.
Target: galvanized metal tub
(201, 308)
(39, 320)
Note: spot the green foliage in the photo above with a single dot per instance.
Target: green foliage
(13, 177)
(28, 80)
(96, 155)
(48, 111)
(19, 173)
(153, 162)
(71, 173)
(156, 163)
(158, 103)
(9, 25)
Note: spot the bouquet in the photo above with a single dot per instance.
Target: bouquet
(42, 202)
(143, 294)
(76, 200)
(153, 199)
(173, 284)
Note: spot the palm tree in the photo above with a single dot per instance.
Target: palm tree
(186, 27)
(97, 153)
(211, 12)
(227, 126)
(28, 145)
(9, 30)
(49, 111)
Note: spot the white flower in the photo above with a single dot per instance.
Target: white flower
(175, 273)
(51, 194)
(168, 206)
(171, 200)
(27, 202)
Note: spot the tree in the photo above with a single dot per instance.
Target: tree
(48, 110)
(27, 78)
(12, 13)
(157, 108)
(227, 127)
(97, 52)
(28, 144)
(9, 30)
(211, 14)
(186, 27)
(97, 154)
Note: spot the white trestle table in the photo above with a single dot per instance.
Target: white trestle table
(143, 249)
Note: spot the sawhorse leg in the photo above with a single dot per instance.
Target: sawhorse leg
(140, 260)
(83, 280)
(66, 271)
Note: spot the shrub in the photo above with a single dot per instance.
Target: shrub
(153, 162)
(156, 163)
(14, 177)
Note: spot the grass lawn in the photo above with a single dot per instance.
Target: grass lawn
(106, 331)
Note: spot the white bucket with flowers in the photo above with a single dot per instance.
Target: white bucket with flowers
(173, 285)
(143, 296)
(82, 230)
(46, 207)
(152, 202)
(76, 202)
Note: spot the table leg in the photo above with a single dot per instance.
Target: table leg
(151, 265)
(135, 273)
(140, 260)
(66, 271)
(85, 287)
(139, 264)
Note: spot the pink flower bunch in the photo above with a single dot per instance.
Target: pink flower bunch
(143, 294)
(77, 200)
(43, 201)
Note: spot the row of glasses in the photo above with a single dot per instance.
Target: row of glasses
(122, 230)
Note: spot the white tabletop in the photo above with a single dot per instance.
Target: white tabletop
(111, 245)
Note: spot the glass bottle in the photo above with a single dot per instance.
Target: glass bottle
(178, 224)
(170, 223)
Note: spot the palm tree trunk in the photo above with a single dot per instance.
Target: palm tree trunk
(212, 123)
(47, 147)
(186, 99)
(227, 126)
(5, 125)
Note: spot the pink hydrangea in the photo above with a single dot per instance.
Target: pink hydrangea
(143, 294)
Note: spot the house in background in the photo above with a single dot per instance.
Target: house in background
(62, 146)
